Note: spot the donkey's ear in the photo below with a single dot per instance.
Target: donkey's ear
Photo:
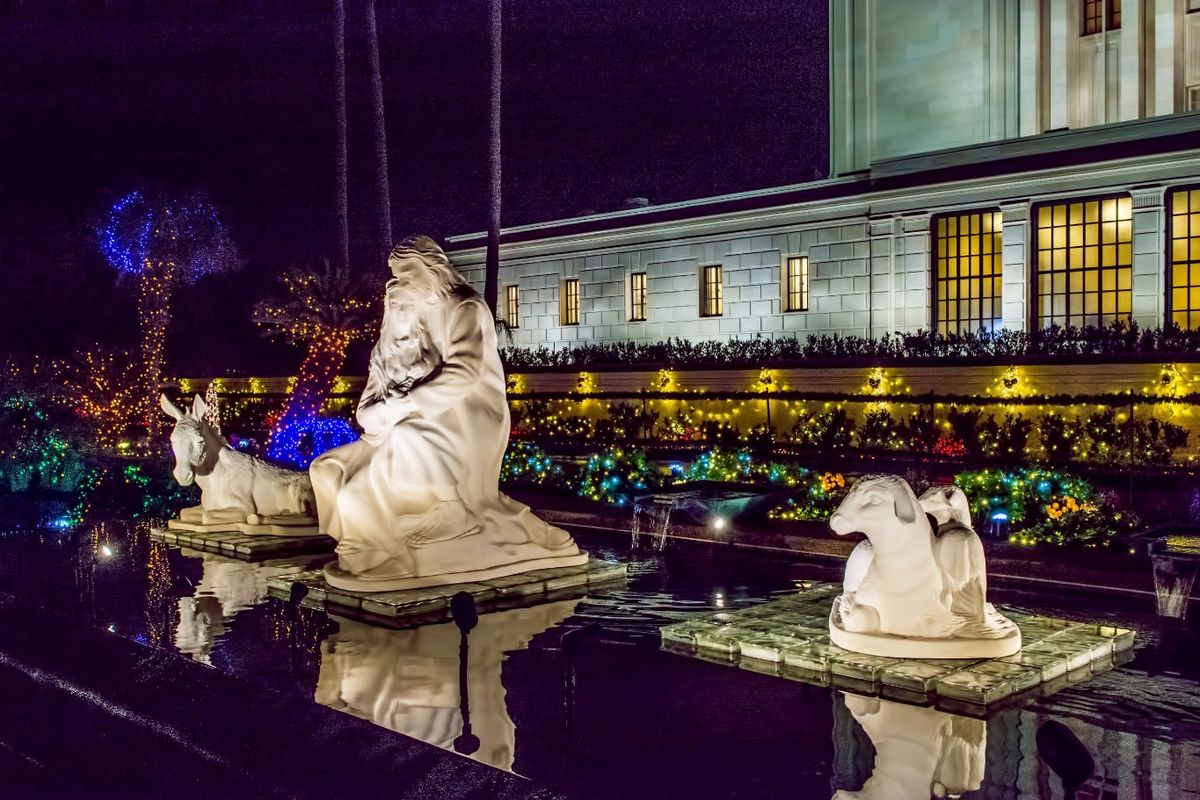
(172, 410)
(906, 508)
(199, 407)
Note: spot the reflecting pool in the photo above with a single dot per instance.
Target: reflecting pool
(578, 696)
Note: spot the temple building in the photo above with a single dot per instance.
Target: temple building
(993, 164)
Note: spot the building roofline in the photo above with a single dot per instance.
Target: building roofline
(1057, 149)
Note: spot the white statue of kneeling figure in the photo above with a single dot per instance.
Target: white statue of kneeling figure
(416, 501)
(917, 586)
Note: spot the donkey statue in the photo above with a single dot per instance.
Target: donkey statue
(237, 491)
(917, 587)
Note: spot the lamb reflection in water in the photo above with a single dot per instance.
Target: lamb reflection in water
(919, 752)
(408, 680)
(227, 586)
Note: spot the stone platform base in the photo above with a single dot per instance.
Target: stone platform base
(248, 547)
(264, 529)
(789, 637)
(432, 605)
(341, 581)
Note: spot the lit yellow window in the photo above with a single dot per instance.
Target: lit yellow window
(795, 284)
(569, 302)
(512, 306)
(967, 273)
(1083, 267)
(1183, 258)
(710, 292)
(637, 297)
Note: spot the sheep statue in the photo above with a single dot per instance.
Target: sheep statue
(919, 752)
(917, 586)
(238, 492)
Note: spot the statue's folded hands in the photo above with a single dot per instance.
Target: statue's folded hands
(378, 417)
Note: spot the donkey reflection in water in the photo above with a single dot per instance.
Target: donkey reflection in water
(234, 487)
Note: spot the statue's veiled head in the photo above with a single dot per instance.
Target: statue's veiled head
(420, 265)
(422, 276)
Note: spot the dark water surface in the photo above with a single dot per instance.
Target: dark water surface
(577, 696)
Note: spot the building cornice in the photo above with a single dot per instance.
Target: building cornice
(827, 208)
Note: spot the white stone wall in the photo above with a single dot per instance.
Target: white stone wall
(911, 77)
(839, 287)
(931, 74)
(870, 270)
(866, 278)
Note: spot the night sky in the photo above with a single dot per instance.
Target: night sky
(603, 100)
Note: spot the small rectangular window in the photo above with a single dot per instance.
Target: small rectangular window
(1097, 16)
(569, 302)
(795, 284)
(637, 297)
(512, 306)
(710, 292)
(1093, 22)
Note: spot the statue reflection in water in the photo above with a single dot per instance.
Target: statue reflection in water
(409, 680)
(227, 586)
(919, 752)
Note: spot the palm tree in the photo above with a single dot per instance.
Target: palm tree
(491, 281)
(325, 311)
(164, 242)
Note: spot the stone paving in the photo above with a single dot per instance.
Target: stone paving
(432, 605)
(247, 547)
(789, 637)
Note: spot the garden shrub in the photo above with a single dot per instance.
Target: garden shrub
(616, 475)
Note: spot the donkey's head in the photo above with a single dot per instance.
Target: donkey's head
(191, 439)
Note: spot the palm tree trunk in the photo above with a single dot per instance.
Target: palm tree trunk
(491, 281)
(318, 372)
(377, 115)
(339, 102)
(154, 316)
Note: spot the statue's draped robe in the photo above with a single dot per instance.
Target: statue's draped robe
(428, 466)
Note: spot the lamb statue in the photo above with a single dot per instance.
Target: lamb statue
(919, 752)
(238, 492)
(917, 586)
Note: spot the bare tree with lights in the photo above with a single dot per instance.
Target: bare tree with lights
(162, 242)
(323, 310)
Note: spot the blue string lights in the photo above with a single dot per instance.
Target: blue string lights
(298, 442)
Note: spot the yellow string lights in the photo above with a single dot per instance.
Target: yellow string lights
(324, 311)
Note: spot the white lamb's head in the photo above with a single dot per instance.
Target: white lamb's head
(877, 504)
(947, 504)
